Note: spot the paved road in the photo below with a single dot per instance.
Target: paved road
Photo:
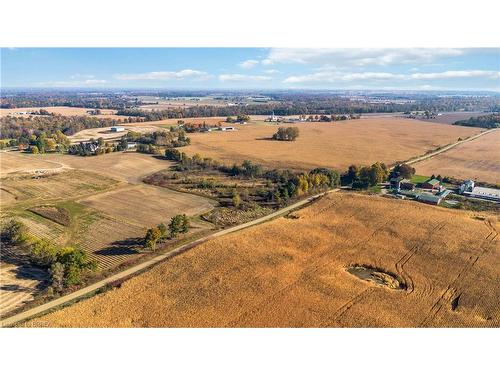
(130, 271)
(446, 148)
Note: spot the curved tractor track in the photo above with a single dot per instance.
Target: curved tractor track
(452, 293)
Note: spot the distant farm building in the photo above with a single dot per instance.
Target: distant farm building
(396, 183)
(273, 118)
(484, 193)
(116, 129)
(431, 184)
(400, 183)
(227, 128)
(468, 185)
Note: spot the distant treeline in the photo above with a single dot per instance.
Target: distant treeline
(326, 106)
(26, 127)
(487, 121)
(65, 99)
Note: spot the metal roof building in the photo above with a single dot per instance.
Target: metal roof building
(484, 193)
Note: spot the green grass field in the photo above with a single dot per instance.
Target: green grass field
(418, 179)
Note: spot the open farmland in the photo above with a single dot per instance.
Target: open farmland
(312, 269)
(128, 166)
(98, 204)
(334, 145)
(478, 160)
(63, 111)
(12, 162)
(63, 185)
(19, 283)
(146, 205)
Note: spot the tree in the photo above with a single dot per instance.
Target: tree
(236, 199)
(57, 272)
(43, 252)
(351, 175)
(286, 134)
(152, 237)
(172, 154)
(163, 230)
(75, 261)
(178, 224)
(14, 232)
(50, 144)
(34, 150)
(403, 170)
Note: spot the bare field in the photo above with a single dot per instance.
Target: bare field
(129, 166)
(334, 145)
(64, 111)
(146, 205)
(478, 160)
(19, 284)
(63, 185)
(291, 272)
(12, 162)
(110, 242)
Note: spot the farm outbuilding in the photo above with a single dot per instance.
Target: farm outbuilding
(116, 129)
(431, 184)
(429, 198)
(484, 193)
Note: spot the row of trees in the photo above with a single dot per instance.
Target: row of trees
(490, 121)
(286, 134)
(365, 176)
(178, 224)
(46, 142)
(23, 128)
(97, 147)
(239, 118)
(173, 138)
(64, 264)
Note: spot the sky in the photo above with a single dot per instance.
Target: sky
(252, 68)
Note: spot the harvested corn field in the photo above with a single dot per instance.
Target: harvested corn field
(335, 145)
(294, 272)
(477, 160)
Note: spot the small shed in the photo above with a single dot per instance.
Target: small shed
(116, 129)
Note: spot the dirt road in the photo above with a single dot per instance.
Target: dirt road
(142, 266)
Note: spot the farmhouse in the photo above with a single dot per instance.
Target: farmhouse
(116, 129)
(431, 184)
(468, 185)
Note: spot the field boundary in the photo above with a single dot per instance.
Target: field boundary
(79, 294)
